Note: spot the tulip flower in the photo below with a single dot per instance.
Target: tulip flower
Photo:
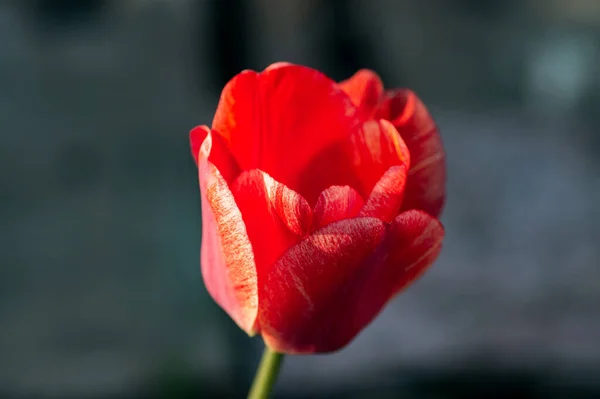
(320, 203)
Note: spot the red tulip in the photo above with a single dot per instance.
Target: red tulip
(319, 202)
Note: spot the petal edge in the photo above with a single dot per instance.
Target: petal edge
(227, 259)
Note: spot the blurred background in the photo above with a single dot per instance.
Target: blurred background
(100, 290)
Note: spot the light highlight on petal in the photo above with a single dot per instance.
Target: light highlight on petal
(227, 258)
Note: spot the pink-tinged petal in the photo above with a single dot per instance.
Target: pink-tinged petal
(328, 288)
(365, 89)
(227, 257)
(280, 119)
(299, 296)
(335, 204)
(276, 217)
(426, 183)
(219, 155)
(358, 161)
(386, 198)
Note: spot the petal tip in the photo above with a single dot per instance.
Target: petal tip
(196, 137)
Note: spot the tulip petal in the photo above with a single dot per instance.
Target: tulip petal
(197, 136)
(425, 186)
(386, 198)
(278, 65)
(275, 216)
(301, 288)
(219, 155)
(377, 149)
(413, 242)
(335, 204)
(328, 288)
(365, 89)
(279, 119)
(359, 161)
(227, 258)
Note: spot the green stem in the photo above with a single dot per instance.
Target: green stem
(266, 375)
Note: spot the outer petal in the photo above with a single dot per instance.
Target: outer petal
(197, 136)
(219, 155)
(426, 184)
(227, 257)
(365, 89)
(276, 217)
(301, 306)
(335, 204)
(279, 119)
(359, 161)
(322, 299)
(412, 243)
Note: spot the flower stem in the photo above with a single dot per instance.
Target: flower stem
(266, 375)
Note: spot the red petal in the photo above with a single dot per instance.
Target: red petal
(220, 156)
(379, 148)
(412, 243)
(279, 64)
(227, 258)
(359, 161)
(328, 288)
(197, 136)
(365, 90)
(279, 119)
(335, 204)
(386, 198)
(276, 217)
(426, 183)
(299, 297)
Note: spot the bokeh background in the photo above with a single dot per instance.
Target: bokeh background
(100, 289)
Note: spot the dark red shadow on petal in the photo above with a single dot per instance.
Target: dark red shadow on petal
(413, 242)
(426, 183)
(335, 284)
(299, 310)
